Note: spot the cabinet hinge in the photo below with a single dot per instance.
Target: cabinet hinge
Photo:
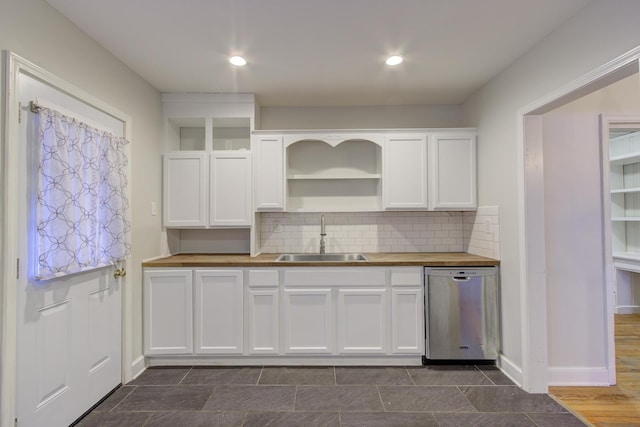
(19, 112)
(15, 422)
(17, 268)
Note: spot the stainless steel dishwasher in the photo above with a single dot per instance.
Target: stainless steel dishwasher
(461, 308)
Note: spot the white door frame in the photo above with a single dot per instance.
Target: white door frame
(14, 66)
(607, 122)
(531, 221)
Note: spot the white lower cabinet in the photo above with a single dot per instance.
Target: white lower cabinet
(168, 305)
(269, 312)
(219, 311)
(407, 320)
(263, 321)
(308, 321)
(263, 312)
(362, 321)
(407, 311)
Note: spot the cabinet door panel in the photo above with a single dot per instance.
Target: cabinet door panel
(452, 167)
(405, 172)
(308, 321)
(230, 189)
(219, 311)
(185, 189)
(269, 181)
(362, 321)
(407, 320)
(168, 326)
(263, 321)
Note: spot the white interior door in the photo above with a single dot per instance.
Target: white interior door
(68, 329)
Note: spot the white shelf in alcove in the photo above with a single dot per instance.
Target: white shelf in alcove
(625, 218)
(336, 209)
(626, 190)
(333, 177)
(629, 261)
(634, 256)
(625, 159)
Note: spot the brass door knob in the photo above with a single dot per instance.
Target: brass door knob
(119, 272)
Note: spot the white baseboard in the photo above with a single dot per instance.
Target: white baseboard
(628, 309)
(138, 366)
(283, 361)
(581, 376)
(560, 376)
(510, 369)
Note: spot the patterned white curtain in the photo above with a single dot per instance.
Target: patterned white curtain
(82, 205)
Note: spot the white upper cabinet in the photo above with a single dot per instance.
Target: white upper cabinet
(185, 189)
(365, 171)
(269, 173)
(207, 189)
(405, 172)
(208, 168)
(452, 171)
(230, 189)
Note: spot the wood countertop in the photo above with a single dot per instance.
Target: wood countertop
(427, 259)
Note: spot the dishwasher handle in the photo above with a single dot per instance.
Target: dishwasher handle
(461, 278)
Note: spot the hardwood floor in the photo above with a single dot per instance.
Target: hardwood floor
(618, 405)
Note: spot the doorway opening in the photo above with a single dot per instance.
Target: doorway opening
(547, 342)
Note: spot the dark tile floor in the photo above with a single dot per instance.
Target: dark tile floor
(326, 396)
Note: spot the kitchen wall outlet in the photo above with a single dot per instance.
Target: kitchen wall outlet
(154, 209)
(228, 144)
(277, 227)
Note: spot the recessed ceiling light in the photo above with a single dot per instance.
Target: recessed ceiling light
(238, 60)
(394, 60)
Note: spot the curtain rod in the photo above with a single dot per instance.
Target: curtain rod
(35, 107)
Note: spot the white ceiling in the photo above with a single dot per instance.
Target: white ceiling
(320, 52)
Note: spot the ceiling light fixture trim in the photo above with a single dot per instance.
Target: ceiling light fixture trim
(238, 61)
(394, 60)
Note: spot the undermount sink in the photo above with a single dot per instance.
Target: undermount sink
(321, 258)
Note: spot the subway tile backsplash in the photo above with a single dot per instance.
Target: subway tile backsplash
(378, 232)
(482, 232)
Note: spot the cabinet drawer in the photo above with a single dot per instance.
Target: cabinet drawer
(348, 276)
(263, 278)
(410, 276)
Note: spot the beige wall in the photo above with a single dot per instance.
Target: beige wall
(38, 33)
(599, 33)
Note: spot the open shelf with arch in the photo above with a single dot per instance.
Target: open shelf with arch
(333, 174)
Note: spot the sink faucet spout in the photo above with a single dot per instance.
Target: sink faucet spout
(323, 233)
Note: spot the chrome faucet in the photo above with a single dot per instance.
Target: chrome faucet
(322, 234)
